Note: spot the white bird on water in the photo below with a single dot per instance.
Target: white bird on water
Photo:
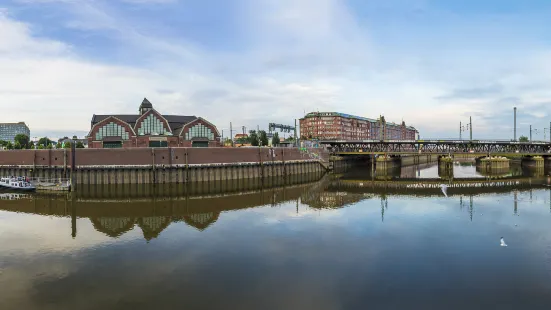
(444, 189)
(503, 242)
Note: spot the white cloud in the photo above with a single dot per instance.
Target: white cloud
(299, 56)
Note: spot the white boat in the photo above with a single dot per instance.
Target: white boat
(16, 183)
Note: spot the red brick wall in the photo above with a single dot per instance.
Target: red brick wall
(144, 156)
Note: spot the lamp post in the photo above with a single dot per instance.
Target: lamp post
(466, 127)
(515, 124)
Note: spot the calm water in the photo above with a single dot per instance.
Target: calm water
(348, 243)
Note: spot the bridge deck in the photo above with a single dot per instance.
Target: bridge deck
(438, 147)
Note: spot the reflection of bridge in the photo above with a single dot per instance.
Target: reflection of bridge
(431, 186)
(441, 147)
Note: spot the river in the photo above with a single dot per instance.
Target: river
(346, 241)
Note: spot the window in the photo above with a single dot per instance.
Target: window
(112, 130)
(199, 131)
(151, 125)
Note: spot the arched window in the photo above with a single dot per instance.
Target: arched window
(200, 131)
(112, 130)
(151, 125)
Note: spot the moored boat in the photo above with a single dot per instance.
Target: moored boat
(17, 183)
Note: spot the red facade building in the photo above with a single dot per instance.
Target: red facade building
(149, 128)
(339, 126)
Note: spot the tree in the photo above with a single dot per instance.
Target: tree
(22, 140)
(44, 141)
(79, 145)
(67, 145)
(9, 145)
(31, 145)
(243, 140)
(263, 137)
(40, 147)
(253, 136)
(49, 147)
(523, 139)
(17, 145)
(275, 139)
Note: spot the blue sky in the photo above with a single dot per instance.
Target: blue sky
(251, 62)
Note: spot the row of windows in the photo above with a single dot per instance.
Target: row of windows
(200, 131)
(151, 125)
(112, 130)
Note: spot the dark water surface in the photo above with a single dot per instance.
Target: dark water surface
(332, 244)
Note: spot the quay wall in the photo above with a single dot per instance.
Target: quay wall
(162, 165)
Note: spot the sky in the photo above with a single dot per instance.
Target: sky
(431, 63)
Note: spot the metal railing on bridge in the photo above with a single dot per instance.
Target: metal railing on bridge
(439, 146)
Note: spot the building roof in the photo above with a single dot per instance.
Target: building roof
(175, 121)
(146, 104)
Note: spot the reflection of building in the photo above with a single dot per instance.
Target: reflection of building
(201, 220)
(331, 200)
(339, 126)
(149, 128)
(113, 226)
(152, 226)
(8, 131)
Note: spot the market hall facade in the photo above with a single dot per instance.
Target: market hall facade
(149, 128)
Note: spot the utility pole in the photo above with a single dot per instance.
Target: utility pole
(471, 126)
(459, 130)
(222, 137)
(296, 142)
(530, 133)
(515, 124)
(231, 134)
(243, 127)
(549, 131)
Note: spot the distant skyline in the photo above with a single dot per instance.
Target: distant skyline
(251, 62)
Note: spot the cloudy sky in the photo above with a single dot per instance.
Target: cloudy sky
(432, 63)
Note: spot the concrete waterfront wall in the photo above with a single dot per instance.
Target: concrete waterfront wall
(162, 165)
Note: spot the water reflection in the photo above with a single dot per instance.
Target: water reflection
(113, 213)
(339, 242)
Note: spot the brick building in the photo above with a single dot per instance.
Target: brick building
(339, 126)
(149, 128)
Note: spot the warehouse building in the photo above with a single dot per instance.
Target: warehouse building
(149, 128)
(340, 126)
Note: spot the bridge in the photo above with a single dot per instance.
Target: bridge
(437, 147)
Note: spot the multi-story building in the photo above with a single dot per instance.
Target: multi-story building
(339, 126)
(8, 131)
(149, 128)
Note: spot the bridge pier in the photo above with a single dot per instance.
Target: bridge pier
(493, 165)
(533, 161)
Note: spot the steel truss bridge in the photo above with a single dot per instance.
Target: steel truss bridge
(438, 147)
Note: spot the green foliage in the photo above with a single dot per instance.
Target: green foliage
(17, 145)
(67, 145)
(275, 139)
(9, 146)
(79, 145)
(40, 147)
(31, 145)
(49, 147)
(44, 141)
(263, 137)
(22, 140)
(3, 143)
(253, 136)
(523, 139)
(243, 140)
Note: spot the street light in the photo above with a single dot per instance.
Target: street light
(463, 128)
